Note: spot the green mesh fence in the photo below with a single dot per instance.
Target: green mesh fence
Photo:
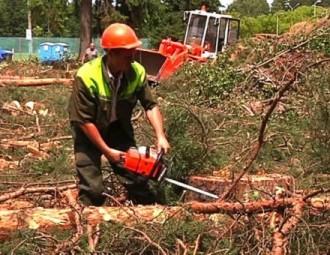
(21, 45)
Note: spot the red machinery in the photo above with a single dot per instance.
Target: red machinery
(207, 34)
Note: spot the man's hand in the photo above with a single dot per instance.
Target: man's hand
(156, 120)
(114, 156)
(162, 143)
(93, 134)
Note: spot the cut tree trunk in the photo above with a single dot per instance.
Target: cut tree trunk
(250, 187)
(45, 219)
(35, 82)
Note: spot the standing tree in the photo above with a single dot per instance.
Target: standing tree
(249, 7)
(13, 18)
(85, 25)
(54, 18)
(278, 5)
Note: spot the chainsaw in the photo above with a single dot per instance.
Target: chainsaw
(145, 161)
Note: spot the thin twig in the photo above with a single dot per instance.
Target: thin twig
(197, 242)
(256, 149)
(286, 51)
(182, 245)
(25, 190)
(68, 244)
(127, 209)
(314, 193)
(148, 239)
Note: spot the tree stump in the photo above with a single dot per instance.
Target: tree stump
(249, 188)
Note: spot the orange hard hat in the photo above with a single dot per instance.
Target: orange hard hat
(119, 36)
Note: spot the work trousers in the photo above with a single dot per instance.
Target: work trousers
(88, 166)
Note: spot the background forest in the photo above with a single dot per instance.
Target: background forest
(153, 19)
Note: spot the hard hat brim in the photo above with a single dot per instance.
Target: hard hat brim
(129, 46)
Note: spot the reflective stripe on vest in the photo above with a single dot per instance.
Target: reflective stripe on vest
(91, 74)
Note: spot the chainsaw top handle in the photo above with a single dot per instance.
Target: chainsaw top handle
(158, 169)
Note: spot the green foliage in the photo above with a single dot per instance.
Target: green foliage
(321, 44)
(183, 139)
(27, 247)
(29, 241)
(278, 20)
(127, 239)
(205, 84)
(249, 7)
(188, 230)
(153, 19)
(50, 18)
(314, 240)
(13, 18)
(278, 5)
(54, 124)
(309, 2)
(319, 121)
(57, 164)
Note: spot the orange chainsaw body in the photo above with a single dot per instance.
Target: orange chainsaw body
(144, 161)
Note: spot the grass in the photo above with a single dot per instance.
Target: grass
(59, 165)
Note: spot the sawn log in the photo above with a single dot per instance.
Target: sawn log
(35, 82)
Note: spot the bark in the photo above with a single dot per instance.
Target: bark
(248, 188)
(85, 26)
(237, 207)
(72, 200)
(46, 219)
(32, 190)
(15, 77)
(320, 204)
(280, 237)
(35, 82)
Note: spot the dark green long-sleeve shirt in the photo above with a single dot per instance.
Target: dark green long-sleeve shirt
(86, 108)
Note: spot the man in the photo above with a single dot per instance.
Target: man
(105, 92)
(90, 53)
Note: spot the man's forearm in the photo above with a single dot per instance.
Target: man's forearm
(156, 120)
(91, 131)
(94, 135)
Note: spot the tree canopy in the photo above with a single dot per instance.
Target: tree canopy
(151, 18)
(249, 7)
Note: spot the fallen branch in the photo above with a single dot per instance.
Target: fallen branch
(148, 239)
(28, 190)
(77, 210)
(35, 82)
(287, 50)
(257, 147)
(45, 219)
(256, 207)
(280, 236)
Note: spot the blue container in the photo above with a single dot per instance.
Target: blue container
(6, 54)
(53, 52)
